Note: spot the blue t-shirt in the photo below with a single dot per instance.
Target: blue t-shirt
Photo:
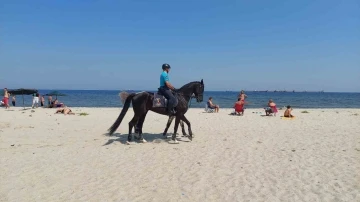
(163, 78)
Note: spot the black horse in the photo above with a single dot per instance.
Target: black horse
(124, 95)
(143, 102)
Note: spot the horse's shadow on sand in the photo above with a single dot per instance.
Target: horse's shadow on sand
(149, 137)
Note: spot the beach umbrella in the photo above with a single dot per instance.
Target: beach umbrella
(55, 93)
(22, 91)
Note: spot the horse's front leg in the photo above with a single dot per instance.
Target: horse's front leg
(183, 128)
(171, 118)
(191, 135)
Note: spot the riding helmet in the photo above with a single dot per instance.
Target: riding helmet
(166, 66)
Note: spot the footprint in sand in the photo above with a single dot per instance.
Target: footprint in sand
(21, 127)
(4, 125)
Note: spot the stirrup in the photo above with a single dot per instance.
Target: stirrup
(171, 112)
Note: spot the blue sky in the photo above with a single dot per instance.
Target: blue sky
(232, 45)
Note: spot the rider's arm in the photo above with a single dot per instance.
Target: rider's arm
(168, 84)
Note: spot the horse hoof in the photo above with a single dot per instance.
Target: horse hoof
(143, 141)
(127, 142)
(173, 142)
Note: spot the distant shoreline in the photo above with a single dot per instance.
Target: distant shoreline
(220, 91)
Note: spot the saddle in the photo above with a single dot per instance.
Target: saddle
(160, 100)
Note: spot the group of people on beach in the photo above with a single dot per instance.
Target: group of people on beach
(37, 99)
(51, 103)
(239, 108)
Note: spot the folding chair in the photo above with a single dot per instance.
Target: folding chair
(208, 110)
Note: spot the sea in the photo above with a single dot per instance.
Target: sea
(226, 99)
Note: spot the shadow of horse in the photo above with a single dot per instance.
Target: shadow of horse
(149, 137)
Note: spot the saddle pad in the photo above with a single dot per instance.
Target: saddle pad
(159, 101)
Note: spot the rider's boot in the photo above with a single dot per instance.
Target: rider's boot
(171, 111)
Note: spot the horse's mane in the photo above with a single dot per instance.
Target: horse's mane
(188, 84)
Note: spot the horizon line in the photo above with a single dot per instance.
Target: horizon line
(260, 91)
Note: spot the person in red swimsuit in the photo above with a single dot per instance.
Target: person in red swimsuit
(271, 109)
(239, 107)
(6, 98)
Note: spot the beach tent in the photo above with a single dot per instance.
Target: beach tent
(23, 91)
(55, 93)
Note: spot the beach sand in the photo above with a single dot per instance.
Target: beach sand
(48, 157)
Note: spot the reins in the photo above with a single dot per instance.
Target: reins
(190, 96)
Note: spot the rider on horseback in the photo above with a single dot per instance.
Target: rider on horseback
(166, 87)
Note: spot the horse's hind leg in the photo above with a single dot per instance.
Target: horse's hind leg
(171, 118)
(132, 123)
(177, 121)
(140, 126)
(137, 127)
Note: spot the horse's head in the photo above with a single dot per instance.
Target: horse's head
(195, 88)
(199, 91)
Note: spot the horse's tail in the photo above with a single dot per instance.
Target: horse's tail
(123, 95)
(113, 128)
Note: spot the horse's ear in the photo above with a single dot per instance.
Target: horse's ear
(202, 82)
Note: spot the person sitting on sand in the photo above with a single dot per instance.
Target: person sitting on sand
(64, 111)
(56, 104)
(271, 109)
(212, 106)
(239, 107)
(287, 112)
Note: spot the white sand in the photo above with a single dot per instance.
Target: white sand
(315, 157)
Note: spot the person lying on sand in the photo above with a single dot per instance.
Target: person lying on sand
(64, 111)
(287, 112)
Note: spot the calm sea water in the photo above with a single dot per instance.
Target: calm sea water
(101, 98)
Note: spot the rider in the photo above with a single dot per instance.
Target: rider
(166, 87)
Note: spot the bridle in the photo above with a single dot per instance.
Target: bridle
(197, 97)
(192, 95)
